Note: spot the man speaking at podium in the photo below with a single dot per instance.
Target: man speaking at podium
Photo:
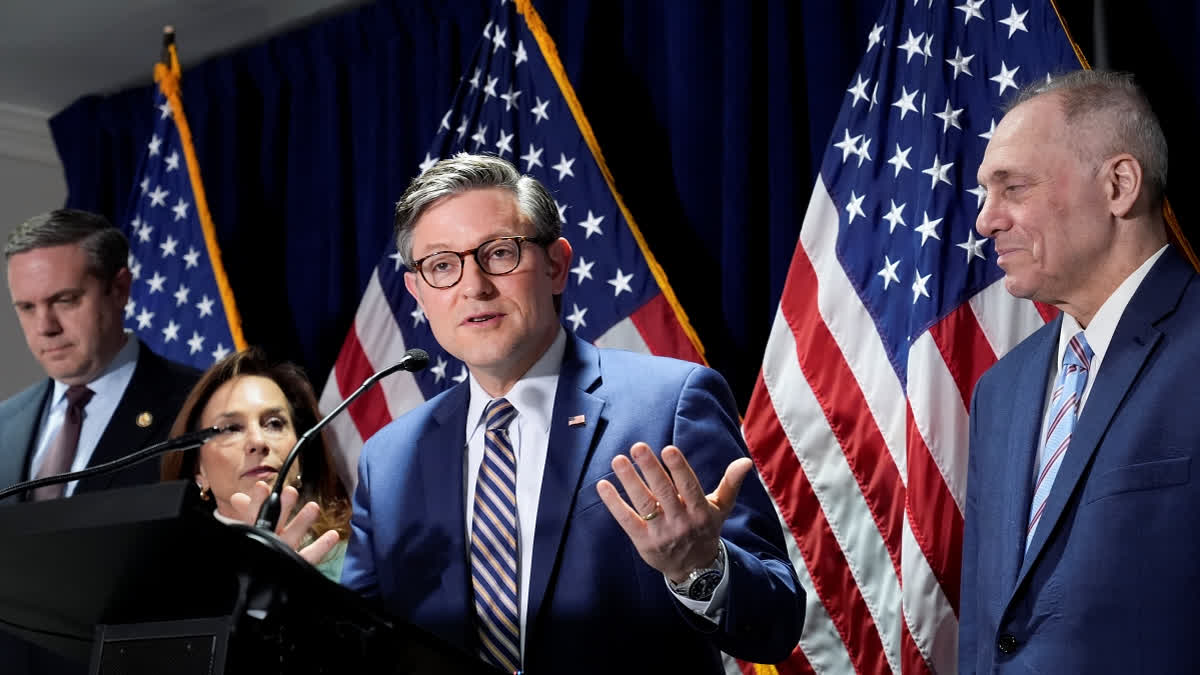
(491, 514)
(106, 395)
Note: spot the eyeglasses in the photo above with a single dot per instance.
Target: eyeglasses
(496, 257)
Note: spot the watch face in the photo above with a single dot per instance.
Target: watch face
(704, 586)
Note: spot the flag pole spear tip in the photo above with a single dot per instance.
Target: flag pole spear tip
(168, 40)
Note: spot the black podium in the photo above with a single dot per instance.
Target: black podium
(141, 580)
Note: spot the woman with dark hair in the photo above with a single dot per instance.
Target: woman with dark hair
(264, 407)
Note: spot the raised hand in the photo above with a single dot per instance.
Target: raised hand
(292, 527)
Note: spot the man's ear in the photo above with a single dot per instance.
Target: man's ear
(1123, 183)
(559, 254)
(413, 286)
(122, 283)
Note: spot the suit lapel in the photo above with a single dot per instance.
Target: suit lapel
(1022, 449)
(567, 458)
(1132, 343)
(442, 456)
(18, 434)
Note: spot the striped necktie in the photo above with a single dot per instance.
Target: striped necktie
(494, 542)
(61, 453)
(1060, 423)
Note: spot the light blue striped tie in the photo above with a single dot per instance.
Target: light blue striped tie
(494, 542)
(1060, 423)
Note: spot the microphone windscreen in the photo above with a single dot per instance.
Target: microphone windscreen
(416, 359)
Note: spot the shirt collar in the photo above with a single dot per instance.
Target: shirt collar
(533, 395)
(110, 378)
(1100, 331)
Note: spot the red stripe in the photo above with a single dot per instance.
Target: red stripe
(964, 347)
(933, 515)
(824, 558)
(1048, 312)
(912, 661)
(842, 401)
(369, 411)
(659, 327)
(796, 664)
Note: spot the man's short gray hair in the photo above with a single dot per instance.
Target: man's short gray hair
(106, 247)
(465, 172)
(1115, 116)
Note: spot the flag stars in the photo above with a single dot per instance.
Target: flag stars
(621, 283)
(859, 90)
(397, 259)
(480, 135)
(173, 161)
(154, 145)
(539, 110)
(854, 207)
(918, 286)
(1015, 21)
(576, 317)
(462, 128)
(520, 56)
(192, 258)
(889, 272)
(504, 143)
(912, 46)
(180, 209)
(164, 109)
(181, 295)
(949, 117)
(429, 161)
(196, 343)
(418, 316)
(927, 48)
(562, 211)
(875, 38)
(991, 130)
(510, 99)
(895, 216)
(475, 78)
(130, 308)
(863, 152)
(905, 102)
(532, 158)
(900, 159)
(498, 39)
(489, 89)
(145, 185)
(168, 246)
(135, 268)
(461, 376)
(564, 166)
(143, 319)
(928, 228)
(980, 192)
(171, 332)
(961, 63)
(582, 270)
(439, 369)
(973, 246)
(937, 172)
(970, 10)
(848, 145)
(156, 283)
(143, 233)
(445, 123)
(159, 196)
(220, 352)
(591, 225)
(205, 306)
(1005, 77)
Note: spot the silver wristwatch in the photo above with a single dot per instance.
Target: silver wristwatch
(702, 582)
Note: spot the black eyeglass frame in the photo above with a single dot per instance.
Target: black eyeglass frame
(474, 253)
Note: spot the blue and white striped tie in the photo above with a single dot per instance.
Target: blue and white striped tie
(1060, 424)
(494, 542)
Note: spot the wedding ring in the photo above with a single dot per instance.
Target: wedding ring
(653, 513)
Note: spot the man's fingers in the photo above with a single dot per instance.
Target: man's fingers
(659, 481)
(731, 483)
(626, 517)
(641, 498)
(686, 484)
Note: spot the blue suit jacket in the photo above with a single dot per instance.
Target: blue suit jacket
(1110, 582)
(594, 604)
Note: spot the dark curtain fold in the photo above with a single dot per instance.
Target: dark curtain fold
(713, 117)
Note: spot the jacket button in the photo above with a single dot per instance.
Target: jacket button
(1007, 643)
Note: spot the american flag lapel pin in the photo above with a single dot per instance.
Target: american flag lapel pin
(575, 420)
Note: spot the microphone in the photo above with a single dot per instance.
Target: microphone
(268, 515)
(186, 441)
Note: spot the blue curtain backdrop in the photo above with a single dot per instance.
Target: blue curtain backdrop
(713, 117)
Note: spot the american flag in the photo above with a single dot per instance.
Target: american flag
(891, 311)
(514, 101)
(181, 304)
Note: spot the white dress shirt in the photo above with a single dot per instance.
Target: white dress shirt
(107, 390)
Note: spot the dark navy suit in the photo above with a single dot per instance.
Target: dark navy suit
(594, 605)
(1111, 580)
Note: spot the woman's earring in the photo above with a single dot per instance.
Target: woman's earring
(298, 483)
(205, 493)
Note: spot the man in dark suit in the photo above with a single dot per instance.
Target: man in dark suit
(69, 281)
(490, 515)
(1082, 521)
